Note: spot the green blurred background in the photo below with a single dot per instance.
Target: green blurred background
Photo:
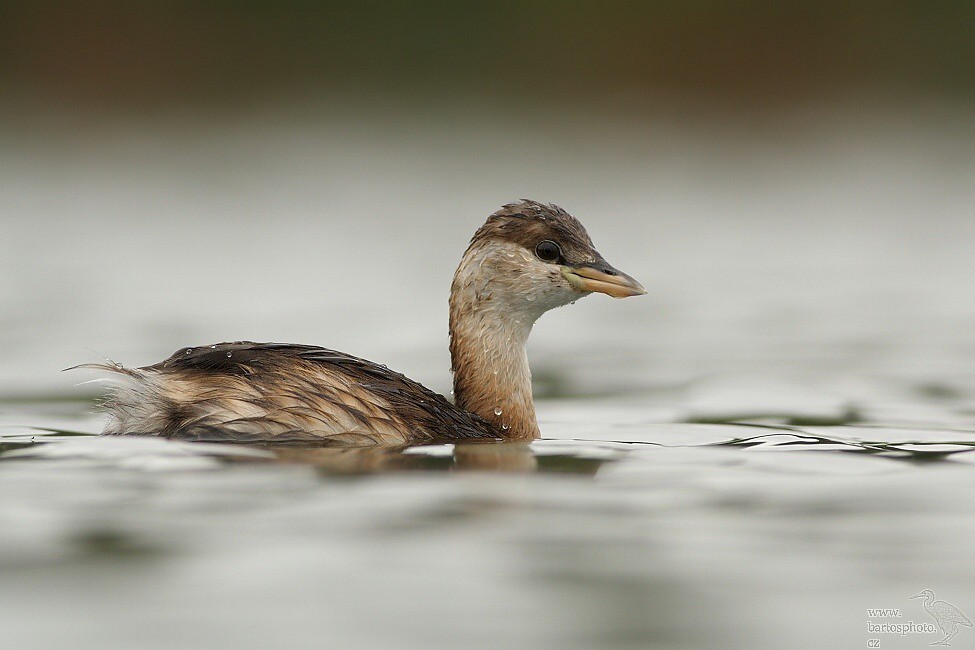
(617, 54)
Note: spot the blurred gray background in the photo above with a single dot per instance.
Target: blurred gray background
(792, 183)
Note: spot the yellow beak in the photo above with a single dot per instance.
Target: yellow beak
(609, 281)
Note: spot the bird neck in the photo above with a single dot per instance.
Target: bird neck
(489, 329)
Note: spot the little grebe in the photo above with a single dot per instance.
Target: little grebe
(526, 259)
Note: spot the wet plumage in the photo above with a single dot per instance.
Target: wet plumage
(526, 259)
(277, 392)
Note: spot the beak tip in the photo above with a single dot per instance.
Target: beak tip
(609, 281)
(633, 288)
(630, 292)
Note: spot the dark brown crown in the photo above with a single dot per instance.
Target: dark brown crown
(529, 222)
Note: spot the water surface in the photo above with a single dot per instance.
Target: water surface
(777, 439)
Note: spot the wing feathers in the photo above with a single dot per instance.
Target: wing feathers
(273, 392)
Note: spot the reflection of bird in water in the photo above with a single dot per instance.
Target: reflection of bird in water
(467, 456)
(526, 259)
(947, 616)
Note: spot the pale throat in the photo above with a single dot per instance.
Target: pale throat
(489, 327)
(491, 373)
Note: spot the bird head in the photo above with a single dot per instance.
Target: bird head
(927, 593)
(536, 256)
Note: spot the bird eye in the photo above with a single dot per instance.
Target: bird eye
(548, 251)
